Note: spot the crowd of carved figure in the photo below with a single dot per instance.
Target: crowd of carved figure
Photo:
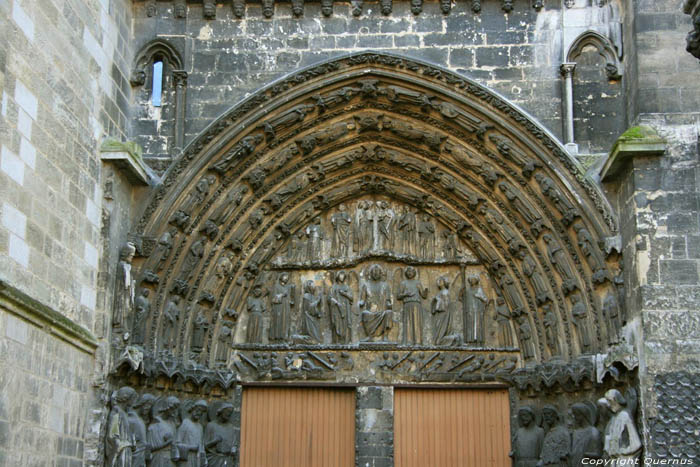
(556, 443)
(382, 299)
(144, 430)
(373, 227)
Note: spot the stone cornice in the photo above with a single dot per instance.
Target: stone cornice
(19, 303)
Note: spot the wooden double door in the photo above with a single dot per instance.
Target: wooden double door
(294, 427)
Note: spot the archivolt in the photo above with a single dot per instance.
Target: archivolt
(382, 124)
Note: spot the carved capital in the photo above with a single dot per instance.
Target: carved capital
(567, 69)
(180, 78)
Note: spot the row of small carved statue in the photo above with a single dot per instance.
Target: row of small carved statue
(268, 7)
(145, 430)
(551, 443)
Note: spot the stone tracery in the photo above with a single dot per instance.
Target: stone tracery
(375, 159)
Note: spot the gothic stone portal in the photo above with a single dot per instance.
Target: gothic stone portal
(370, 220)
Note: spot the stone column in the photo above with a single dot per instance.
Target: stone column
(567, 72)
(374, 426)
(180, 81)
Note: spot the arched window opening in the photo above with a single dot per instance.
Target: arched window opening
(157, 89)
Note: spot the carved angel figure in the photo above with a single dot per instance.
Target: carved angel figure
(411, 291)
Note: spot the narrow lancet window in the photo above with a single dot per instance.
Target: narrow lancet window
(157, 83)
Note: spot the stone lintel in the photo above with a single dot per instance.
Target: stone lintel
(126, 156)
(638, 141)
(19, 303)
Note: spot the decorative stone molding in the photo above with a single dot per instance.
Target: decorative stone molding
(19, 303)
(127, 156)
(209, 7)
(637, 141)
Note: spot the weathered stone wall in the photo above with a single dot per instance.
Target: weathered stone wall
(44, 395)
(227, 58)
(374, 426)
(63, 65)
(658, 200)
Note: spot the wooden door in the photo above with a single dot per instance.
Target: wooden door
(451, 427)
(298, 427)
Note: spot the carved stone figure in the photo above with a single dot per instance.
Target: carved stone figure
(523, 208)
(238, 7)
(503, 317)
(209, 9)
(525, 333)
(151, 8)
(364, 233)
(142, 310)
(192, 258)
(440, 308)
(223, 269)
(510, 292)
(298, 7)
(416, 6)
(622, 443)
(551, 329)
(199, 331)
(474, 302)
(119, 438)
(559, 259)
(327, 7)
(611, 311)
(224, 343)
(591, 252)
(163, 249)
(384, 219)
(189, 445)
(282, 300)
(411, 291)
(356, 7)
(256, 308)
(199, 194)
(162, 432)
(536, 279)
(340, 300)
(528, 440)
(139, 418)
(386, 6)
(376, 304)
(239, 152)
(449, 245)
(407, 232)
(341, 223)
(311, 303)
(268, 8)
(219, 438)
(563, 205)
(314, 234)
(124, 288)
(171, 316)
(426, 238)
(286, 119)
(445, 6)
(579, 313)
(556, 446)
(296, 249)
(586, 441)
(228, 206)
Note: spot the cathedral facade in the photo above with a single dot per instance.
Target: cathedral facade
(361, 233)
